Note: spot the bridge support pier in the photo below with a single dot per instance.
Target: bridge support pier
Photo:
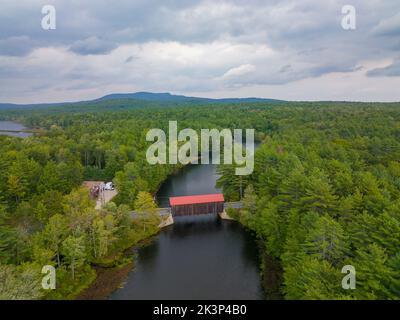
(166, 221)
(224, 216)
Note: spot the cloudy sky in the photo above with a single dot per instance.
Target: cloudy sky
(289, 49)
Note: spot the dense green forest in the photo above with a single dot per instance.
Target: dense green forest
(324, 193)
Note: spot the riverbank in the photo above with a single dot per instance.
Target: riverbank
(107, 280)
(271, 268)
(112, 272)
(110, 278)
(272, 275)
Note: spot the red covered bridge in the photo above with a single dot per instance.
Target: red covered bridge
(195, 205)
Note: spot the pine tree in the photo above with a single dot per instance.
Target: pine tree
(373, 273)
(311, 278)
(318, 195)
(270, 227)
(250, 199)
(326, 240)
(394, 281)
(292, 188)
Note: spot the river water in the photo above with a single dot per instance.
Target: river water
(13, 126)
(199, 257)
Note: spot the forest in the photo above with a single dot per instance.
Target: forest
(325, 192)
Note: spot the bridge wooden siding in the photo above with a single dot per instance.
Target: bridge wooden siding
(196, 205)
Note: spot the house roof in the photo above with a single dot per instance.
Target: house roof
(204, 198)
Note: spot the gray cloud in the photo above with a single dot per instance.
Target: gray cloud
(186, 46)
(129, 59)
(388, 27)
(92, 45)
(16, 46)
(393, 70)
(285, 68)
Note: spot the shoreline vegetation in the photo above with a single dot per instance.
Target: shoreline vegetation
(103, 276)
(270, 268)
(99, 278)
(108, 279)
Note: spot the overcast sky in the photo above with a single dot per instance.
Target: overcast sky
(290, 49)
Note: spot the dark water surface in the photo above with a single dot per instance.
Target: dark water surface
(199, 257)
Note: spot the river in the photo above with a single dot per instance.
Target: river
(199, 257)
(13, 126)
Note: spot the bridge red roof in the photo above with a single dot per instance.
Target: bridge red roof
(204, 198)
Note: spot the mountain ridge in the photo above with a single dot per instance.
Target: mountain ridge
(166, 96)
(162, 97)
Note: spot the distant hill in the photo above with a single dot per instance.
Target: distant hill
(149, 96)
(14, 106)
(135, 98)
(167, 97)
(4, 106)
